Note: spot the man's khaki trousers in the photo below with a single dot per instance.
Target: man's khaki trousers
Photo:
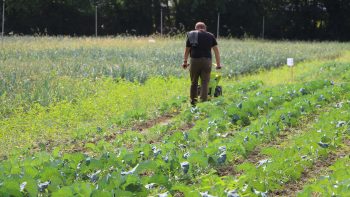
(200, 68)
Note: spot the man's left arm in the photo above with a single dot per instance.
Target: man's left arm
(217, 56)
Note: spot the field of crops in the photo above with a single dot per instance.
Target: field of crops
(111, 117)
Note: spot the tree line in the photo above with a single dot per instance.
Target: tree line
(271, 19)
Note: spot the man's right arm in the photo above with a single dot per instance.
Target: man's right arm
(186, 54)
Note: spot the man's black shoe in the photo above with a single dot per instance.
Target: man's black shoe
(193, 103)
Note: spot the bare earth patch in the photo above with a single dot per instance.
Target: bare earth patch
(319, 168)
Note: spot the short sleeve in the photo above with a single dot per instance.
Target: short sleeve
(214, 42)
(188, 44)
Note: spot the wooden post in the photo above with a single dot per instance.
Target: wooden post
(3, 20)
(218, 26)
(263, 28)
(161, 20)
(292, 74)
(96, 25)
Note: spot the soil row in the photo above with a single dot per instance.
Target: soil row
(318, 168)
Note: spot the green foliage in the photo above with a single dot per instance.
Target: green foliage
(334, 184)
(93, 145)
(67, 69)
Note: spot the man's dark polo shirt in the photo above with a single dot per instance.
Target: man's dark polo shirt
(206, 41)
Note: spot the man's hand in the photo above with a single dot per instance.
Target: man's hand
(185, 65)
(217, 66)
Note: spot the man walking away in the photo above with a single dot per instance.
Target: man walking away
(198, 45)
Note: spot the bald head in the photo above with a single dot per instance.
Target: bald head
(201, 26)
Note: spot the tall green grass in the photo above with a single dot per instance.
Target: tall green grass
(47, 70)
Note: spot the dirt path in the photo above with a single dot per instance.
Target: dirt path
(79, 145)
(320, 167)
(184, 127)
(143, 127)
(255, 156)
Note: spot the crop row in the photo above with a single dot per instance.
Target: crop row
(280, 166)
(335, 184)
(228, 116)
(243, 142)
(128, 171)
(222, 131)
(286, 164)
(112, 106)
(35, 166)
(33, 71)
